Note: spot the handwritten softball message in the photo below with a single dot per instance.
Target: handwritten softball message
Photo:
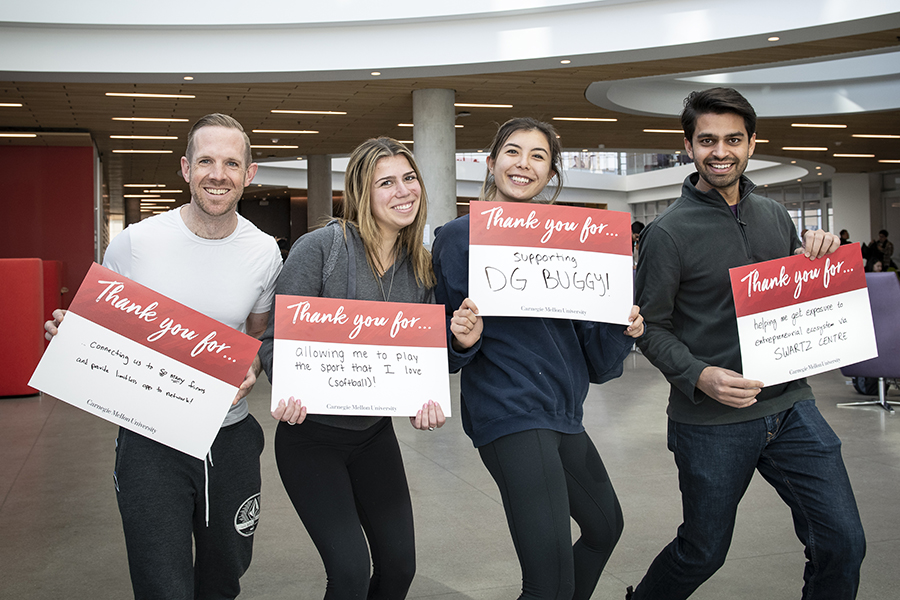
(145, 362)
(355, 357)
(798, 317)
(539, 260)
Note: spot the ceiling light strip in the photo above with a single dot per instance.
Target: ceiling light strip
(140, 95)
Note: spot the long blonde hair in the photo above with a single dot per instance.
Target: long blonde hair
(357, 202)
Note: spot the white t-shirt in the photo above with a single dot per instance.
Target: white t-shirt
(225, 279)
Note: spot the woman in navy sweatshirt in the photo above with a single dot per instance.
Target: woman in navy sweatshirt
(523, 385)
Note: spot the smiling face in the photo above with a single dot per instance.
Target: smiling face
(720, 150)
(217, 171)
(523, 166)
(395, 194)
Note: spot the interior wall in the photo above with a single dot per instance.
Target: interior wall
(47, 208)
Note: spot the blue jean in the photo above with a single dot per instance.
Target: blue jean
(797, 452)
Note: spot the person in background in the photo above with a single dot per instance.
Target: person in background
(845, 237)
(523, 385)
(636, 228)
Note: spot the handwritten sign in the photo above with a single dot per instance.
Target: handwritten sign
(539, 260)
(353, 357)
(798, 317)
(143, 361)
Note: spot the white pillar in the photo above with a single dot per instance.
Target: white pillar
(434, 134)
(319, 192)
(850, 200)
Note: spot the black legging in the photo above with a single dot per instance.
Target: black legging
(544, 477)
(343, 482)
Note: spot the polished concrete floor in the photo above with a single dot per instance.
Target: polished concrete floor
(61, 535)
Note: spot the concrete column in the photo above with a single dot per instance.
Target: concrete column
(434, 134)
(851, 204)
(132, 211)
(318, 184)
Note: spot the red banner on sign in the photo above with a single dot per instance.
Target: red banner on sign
(549, 226)
(164, 325)
(783, 282)
(312, 319)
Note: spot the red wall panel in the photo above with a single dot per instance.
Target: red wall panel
(47, 208)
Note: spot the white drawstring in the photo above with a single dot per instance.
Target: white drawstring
(206, 481)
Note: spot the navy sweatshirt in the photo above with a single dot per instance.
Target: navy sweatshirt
(524, 373)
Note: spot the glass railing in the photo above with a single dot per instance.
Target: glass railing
(613, 163)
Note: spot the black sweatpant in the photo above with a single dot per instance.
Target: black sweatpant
(345, 483)
(544, 477)
(163, 503)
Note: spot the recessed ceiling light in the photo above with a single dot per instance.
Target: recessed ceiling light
(142, 152)
(411, 125)
(143, 137)
(759, 141)
(165, 191)
(817, 168)
(565, 61)
(890, 161)
(137, 95)
(590, 119)
(150, 119)
(141, 196)
(853, 155)
(10, 104)
(18, 135)
(188, 78)
(144, 185)
(793, 162)
(819, 125)
(284, 131)
(376, 73)
(805, 148)
(270, 146)
(472, 105)
(309, 112)
(876, 136)
(406, 141)
(773, 38)
(664, 131)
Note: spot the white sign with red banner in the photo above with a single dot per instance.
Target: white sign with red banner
(542, 260)
(798, 317)
(145, 362)
(356, 357)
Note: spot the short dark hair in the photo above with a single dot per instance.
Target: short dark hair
(489, 187)
(883, 232)
(718, 100)
(637, 227)
(217, 120)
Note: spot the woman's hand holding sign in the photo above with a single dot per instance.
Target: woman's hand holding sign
(429, 417)
(466, 326)
(291, 412)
